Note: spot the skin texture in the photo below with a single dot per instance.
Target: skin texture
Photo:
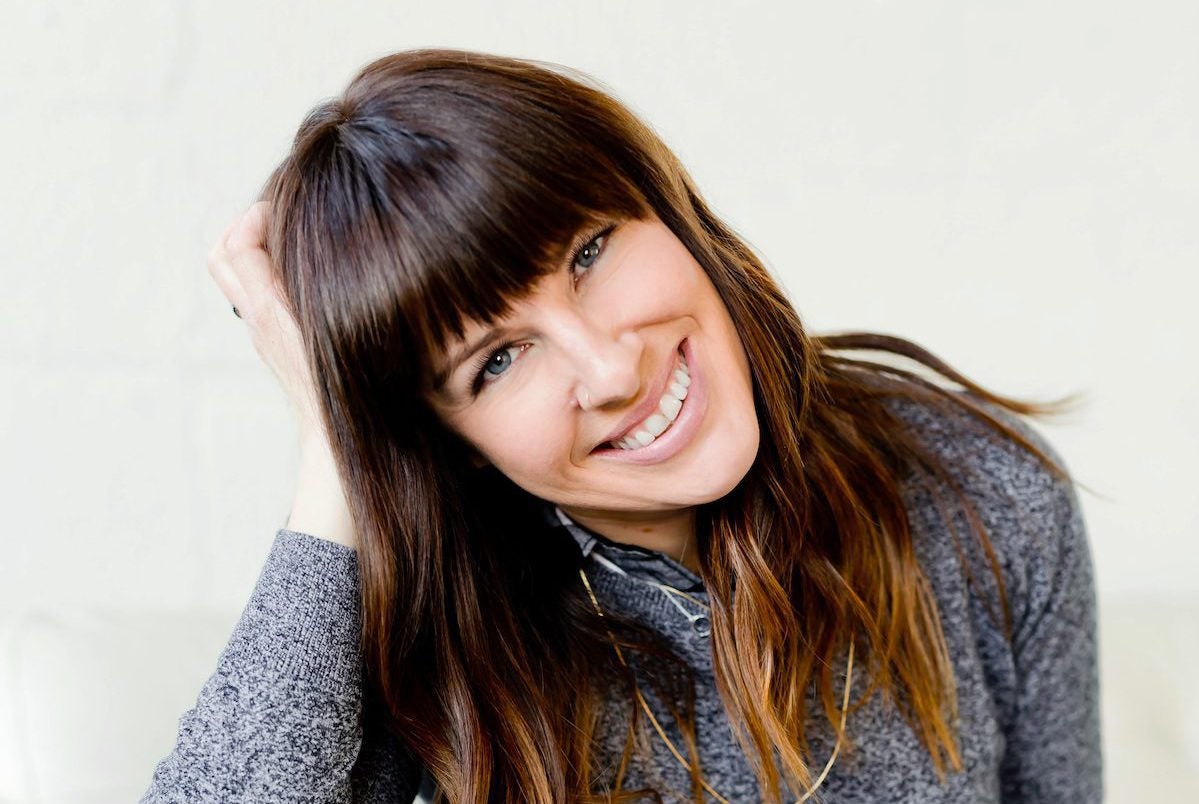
(587, 345)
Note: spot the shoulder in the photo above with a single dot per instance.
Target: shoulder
(1031, 515)
(981, 456)
(994, 470)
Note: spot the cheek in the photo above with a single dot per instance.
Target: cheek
(674, 286)
(524, 437)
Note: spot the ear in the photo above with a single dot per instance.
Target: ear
(477, 461)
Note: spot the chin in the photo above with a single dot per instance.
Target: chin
(733, 465)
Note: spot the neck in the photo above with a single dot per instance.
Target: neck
(669, 532)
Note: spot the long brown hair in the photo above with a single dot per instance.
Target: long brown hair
(435, 190)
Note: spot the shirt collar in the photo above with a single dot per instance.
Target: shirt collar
(638, 562)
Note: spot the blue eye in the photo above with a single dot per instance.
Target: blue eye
(493, 364)
(591, 249)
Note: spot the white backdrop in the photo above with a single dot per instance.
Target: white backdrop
(1011, 185)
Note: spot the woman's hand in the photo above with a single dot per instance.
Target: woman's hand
(239, 264)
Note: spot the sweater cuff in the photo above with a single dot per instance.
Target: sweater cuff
(303, 620)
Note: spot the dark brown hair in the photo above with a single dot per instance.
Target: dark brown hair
(435, 190)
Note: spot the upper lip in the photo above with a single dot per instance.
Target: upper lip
(647, 405)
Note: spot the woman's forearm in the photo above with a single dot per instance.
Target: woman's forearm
(279, 719)
(320, 507)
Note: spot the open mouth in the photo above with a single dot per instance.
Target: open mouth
(665, 414)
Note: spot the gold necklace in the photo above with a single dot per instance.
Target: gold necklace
(657, 727)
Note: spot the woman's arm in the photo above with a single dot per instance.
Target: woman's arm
(1044, 684)
(279, 719)
(1054, 750)
(320, 505)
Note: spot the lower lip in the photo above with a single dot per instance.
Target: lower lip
(681, 431)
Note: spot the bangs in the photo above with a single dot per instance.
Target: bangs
(482, 193)
(495, 263)
(433, 195)
(484, 291)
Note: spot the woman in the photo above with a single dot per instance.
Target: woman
(585, 514)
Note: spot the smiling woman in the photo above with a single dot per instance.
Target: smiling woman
(590, 359)
(597, 469)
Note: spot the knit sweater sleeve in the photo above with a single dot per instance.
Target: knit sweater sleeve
(280, 719)
(1044, 682)
(1053, 739)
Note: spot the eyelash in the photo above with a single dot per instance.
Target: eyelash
(481, 362)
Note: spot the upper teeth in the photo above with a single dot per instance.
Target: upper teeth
(668, 410)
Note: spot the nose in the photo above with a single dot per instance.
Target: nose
(609, 369)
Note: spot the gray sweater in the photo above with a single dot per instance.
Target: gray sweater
(283, 717)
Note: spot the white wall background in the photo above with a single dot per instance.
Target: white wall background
(1012, 185)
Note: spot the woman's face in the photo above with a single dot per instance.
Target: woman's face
(603, 347)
